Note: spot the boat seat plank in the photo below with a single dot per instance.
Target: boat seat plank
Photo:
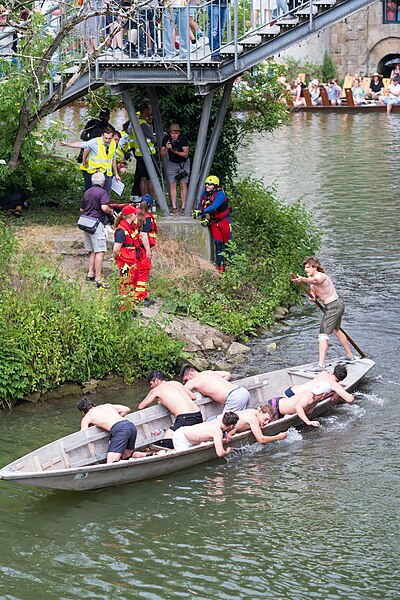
(37, 463)
(85, 442)
(89, 461)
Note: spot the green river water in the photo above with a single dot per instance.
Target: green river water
(313, 517)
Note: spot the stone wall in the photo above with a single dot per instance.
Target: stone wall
(358, 44)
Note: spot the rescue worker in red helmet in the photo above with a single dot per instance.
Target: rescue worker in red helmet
(215, 213)
(126, 253)
(148, 238)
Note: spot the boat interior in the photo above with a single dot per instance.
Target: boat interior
(89, 447)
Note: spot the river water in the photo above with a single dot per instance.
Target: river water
(312, 517)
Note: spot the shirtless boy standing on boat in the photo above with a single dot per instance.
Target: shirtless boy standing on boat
(256, 420)
(111, 418)
(178, 400)
(301, 403)
(188, 437)
(321, 286)
(216, 385)
(339, 374)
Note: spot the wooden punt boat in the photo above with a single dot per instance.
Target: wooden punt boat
(345, 108)
(76, 461)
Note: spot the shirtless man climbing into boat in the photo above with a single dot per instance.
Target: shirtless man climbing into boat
(321, 286)
(301, 403)
(178, 400)
(256, 419)
(216, 385)
(111, 418)
(333, 379)
(188, 437)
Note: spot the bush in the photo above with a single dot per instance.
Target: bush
(54, 333)
(270, 239)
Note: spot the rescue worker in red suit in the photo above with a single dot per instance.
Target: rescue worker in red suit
(148, 238)
(215, 213)
(126, 251)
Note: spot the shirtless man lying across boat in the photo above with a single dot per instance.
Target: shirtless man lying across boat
(110, 417)
(177, 399)
(256, 419)
(301, 403)
(333, 379)
(216, 385)
(188, 437)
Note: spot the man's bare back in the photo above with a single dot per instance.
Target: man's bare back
(324, 377)
(302, 404)
(105, 416)
(211, 384)
(173, 396)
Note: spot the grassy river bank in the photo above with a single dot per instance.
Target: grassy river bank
(58, 328)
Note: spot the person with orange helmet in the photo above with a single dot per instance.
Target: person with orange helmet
(126, 253)
(215, 212)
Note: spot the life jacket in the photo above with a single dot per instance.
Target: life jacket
(152, 235)
(135, 144)
(222, 212)
(128, 254)
(101, 161)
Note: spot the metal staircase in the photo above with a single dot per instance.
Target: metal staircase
(242, 50)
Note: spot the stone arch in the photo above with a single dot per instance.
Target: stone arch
(383, 51)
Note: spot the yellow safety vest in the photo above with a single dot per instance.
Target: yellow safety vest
(101, 161)
(135, 143)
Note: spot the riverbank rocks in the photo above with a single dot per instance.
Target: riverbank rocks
(280, 313)
(208, 345)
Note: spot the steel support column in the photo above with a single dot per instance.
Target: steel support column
(199, 152)
(145, 152)
(151, 92)
(212, 146)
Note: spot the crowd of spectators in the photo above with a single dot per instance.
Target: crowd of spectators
(357, 90)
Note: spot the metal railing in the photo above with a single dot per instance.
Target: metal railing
(199, 33)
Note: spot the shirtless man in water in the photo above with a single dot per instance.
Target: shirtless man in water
(256, 420)
(321, 286)
(187, 437)
(301, 403)
(339, 374)
(216, 385)
(111, 418)
(178, 400)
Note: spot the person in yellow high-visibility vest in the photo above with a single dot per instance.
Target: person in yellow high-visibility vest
(99, 154)
(142, 184)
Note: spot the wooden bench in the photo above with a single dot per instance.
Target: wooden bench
(349, 97)
(307, 97)
(324, 96)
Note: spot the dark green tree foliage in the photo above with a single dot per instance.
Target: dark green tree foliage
(328, 68)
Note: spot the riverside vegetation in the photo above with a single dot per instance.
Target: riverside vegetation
(56, 330)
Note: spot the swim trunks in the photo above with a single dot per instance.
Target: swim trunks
(180, 441)
(122, 437)
(237, 399)
(332, 316)
(274, 403)
(187, 419)
(288, 393)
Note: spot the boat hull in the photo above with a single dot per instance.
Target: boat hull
(68, 463)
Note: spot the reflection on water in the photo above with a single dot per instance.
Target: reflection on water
(313, 516)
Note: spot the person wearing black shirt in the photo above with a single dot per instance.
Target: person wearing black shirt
(176, 147)
(376, 87)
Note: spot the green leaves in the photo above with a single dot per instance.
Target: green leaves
(270, 239)
(54, 331)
